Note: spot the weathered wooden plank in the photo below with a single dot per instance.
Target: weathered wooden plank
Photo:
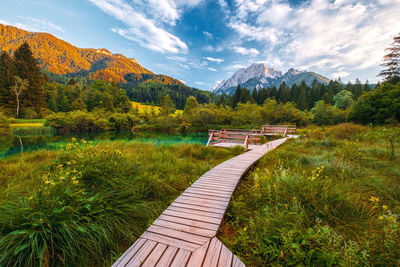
(185, 228)
(194, 223)
(124, 259)
(225, 258)
(185, 236)
(197, 212)
(142, 253)
(197, 257)
(214, 185)
(167, 257)
(212, 256)
(207, 193)
(202, 202)
(170, 241)
(211, 189)
(198, 195)
(155, 255)
(237, 262)
(195, 207)
(192, 216)
(181, 258)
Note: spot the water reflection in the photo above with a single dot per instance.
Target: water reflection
(16, 144)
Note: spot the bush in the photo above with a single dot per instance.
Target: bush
(347, 130)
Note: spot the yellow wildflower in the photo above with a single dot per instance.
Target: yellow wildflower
(52, 183)
(47, 182)
(73, 139)
(75, 182)
(30, 198)
(73, 178)
(384, 207)
(59, 166)
(380, 217)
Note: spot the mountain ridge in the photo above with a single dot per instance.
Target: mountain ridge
(60, 57)
(259, 75)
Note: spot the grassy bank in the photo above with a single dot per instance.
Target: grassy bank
(328, 198)
(84, 205)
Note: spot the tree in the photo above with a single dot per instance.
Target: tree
(18, 88)
(237, 96)
(7, 73)
(391, 71)
(343, 99)
(27, 68)
(191, 103)
(167, 106)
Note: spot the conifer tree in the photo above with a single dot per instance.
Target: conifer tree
(27, 68)
(7, 73)
(391, 73)
(236, 96)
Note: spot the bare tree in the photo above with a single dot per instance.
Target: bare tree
(19, 87)
(391, 73)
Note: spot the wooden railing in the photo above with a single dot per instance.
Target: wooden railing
(244, 137)
(278, 129)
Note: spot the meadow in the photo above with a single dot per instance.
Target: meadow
(85, 204)
(330, 197)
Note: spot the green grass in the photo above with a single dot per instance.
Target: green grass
(16, 121)
(32, 130)
(85, 205)
(328, 198)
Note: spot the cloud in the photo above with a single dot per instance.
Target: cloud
(216, 60)
(322, 34)
(35, 25)
(340, 74)
(234, 67)
(209, 35)
(212, 69)
(246, 51)
(143, 29)
(199, 83)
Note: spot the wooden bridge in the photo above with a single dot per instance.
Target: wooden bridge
(249, 139)
(185, 233)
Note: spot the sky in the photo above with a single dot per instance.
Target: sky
(202, 42)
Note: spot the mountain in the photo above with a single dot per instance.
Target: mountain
(259, 75)
(59, 57)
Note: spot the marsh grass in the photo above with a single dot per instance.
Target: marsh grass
(328, 198)
(86, 204)
(32, 130)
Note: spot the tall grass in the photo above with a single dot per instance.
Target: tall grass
(32, 130)
(86, 204)
(328, 198)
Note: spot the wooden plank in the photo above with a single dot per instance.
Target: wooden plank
(142, 253)
(124, 259)
(155, 255)
(170, 241)
(197, 212)
(202, 202)
(211, 189)
(185, 228)
(200, 208)
(181, 258)
(198, 195)
(212, 256)
(237, 262)
(197, 257)
(207, 192)
(204, 225)
(188, 237)
(214, 185)
(192, 216)
(225, 258)
(167, 257)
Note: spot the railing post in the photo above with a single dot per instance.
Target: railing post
(246, 142)
(210, 139)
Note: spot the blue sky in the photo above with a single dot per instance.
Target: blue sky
(202, 42)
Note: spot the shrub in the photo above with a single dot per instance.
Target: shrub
(4, 125)
(347, 130)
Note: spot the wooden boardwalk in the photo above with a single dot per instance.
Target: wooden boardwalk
(185, 233)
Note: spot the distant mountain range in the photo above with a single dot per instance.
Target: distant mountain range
(259, 75)
(59, 57)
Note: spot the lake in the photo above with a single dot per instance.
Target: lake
(13, 145)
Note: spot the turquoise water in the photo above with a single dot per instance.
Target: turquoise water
(13, 145)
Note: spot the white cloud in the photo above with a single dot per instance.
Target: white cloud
(209, 35)
(246, 51)
(212, 69)
(216, 60)
(141, 28)
(35, 25)
(199, 83)
(322, 34)
(340, 74)
(234, 67)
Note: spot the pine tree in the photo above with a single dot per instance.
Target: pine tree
(27, 68)
(391, 73)
(7, 73)
(236, 96)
